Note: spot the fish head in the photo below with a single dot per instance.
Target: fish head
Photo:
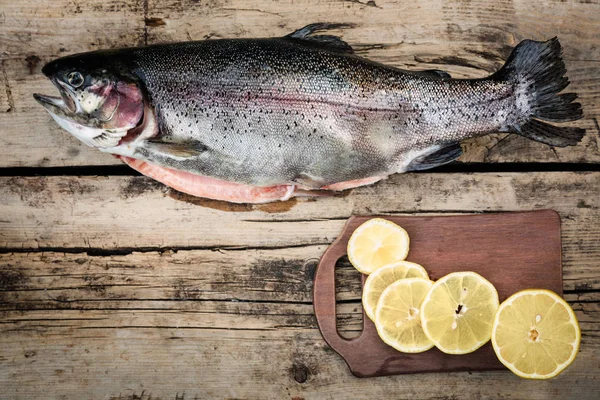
(98, 104)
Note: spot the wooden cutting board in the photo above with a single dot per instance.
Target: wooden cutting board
(514, 251)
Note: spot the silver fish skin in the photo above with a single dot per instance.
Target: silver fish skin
(305, 110)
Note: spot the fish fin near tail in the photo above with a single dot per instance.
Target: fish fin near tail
(558, 136)
(437, 73)
(439, 155)
(537, 70)
(329, 42)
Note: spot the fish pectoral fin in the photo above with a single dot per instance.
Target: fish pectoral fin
(184, 149)
(439, 155)
(437, 73)
(325, 41)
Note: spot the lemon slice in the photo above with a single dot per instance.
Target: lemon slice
(376, 243)
(397, 315)
(536, 334)
(458, 312)
(379, 280)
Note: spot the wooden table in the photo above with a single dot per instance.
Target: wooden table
(115, 287)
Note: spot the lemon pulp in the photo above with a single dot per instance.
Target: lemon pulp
(376, 243)
(379, 280)
(458, 312)
(536, 334)
(397, 316)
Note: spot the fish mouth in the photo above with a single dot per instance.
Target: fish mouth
(63, 105)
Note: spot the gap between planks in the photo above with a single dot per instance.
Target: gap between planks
(452, 168)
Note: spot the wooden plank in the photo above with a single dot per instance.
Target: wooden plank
(467, 39)
(80, 281)
(135, 213)
(211, 324)
(276, 320)
(242, 275)
(228, 282)
(172, 363)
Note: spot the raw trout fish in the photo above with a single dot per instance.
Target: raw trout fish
(260, 120)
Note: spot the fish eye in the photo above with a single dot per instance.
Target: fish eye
(75, 79)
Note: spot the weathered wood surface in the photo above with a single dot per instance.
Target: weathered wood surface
(122, 212)
(119, 288)
(206, 324)
(467, 38)
(232, 316)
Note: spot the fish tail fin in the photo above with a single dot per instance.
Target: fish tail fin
(537, 71)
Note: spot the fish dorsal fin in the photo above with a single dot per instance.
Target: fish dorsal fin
(329, 42)
(437, 73)
(438, 155)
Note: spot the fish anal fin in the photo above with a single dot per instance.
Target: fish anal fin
(177, 149)
(306, 181)
(329, 42)
(439, 155)
(353, 184)
(558, 136)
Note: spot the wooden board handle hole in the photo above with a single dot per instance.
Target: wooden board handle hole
(347, 280)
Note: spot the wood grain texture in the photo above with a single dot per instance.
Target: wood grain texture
(514, 251)
(84, 281)
(235, 319)
(214, 324)
(469, 39)
(124, 213)
(119, 288)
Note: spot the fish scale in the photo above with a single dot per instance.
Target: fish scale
(304, 110)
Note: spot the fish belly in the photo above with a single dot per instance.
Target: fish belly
(203, 186)
(278, 143)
